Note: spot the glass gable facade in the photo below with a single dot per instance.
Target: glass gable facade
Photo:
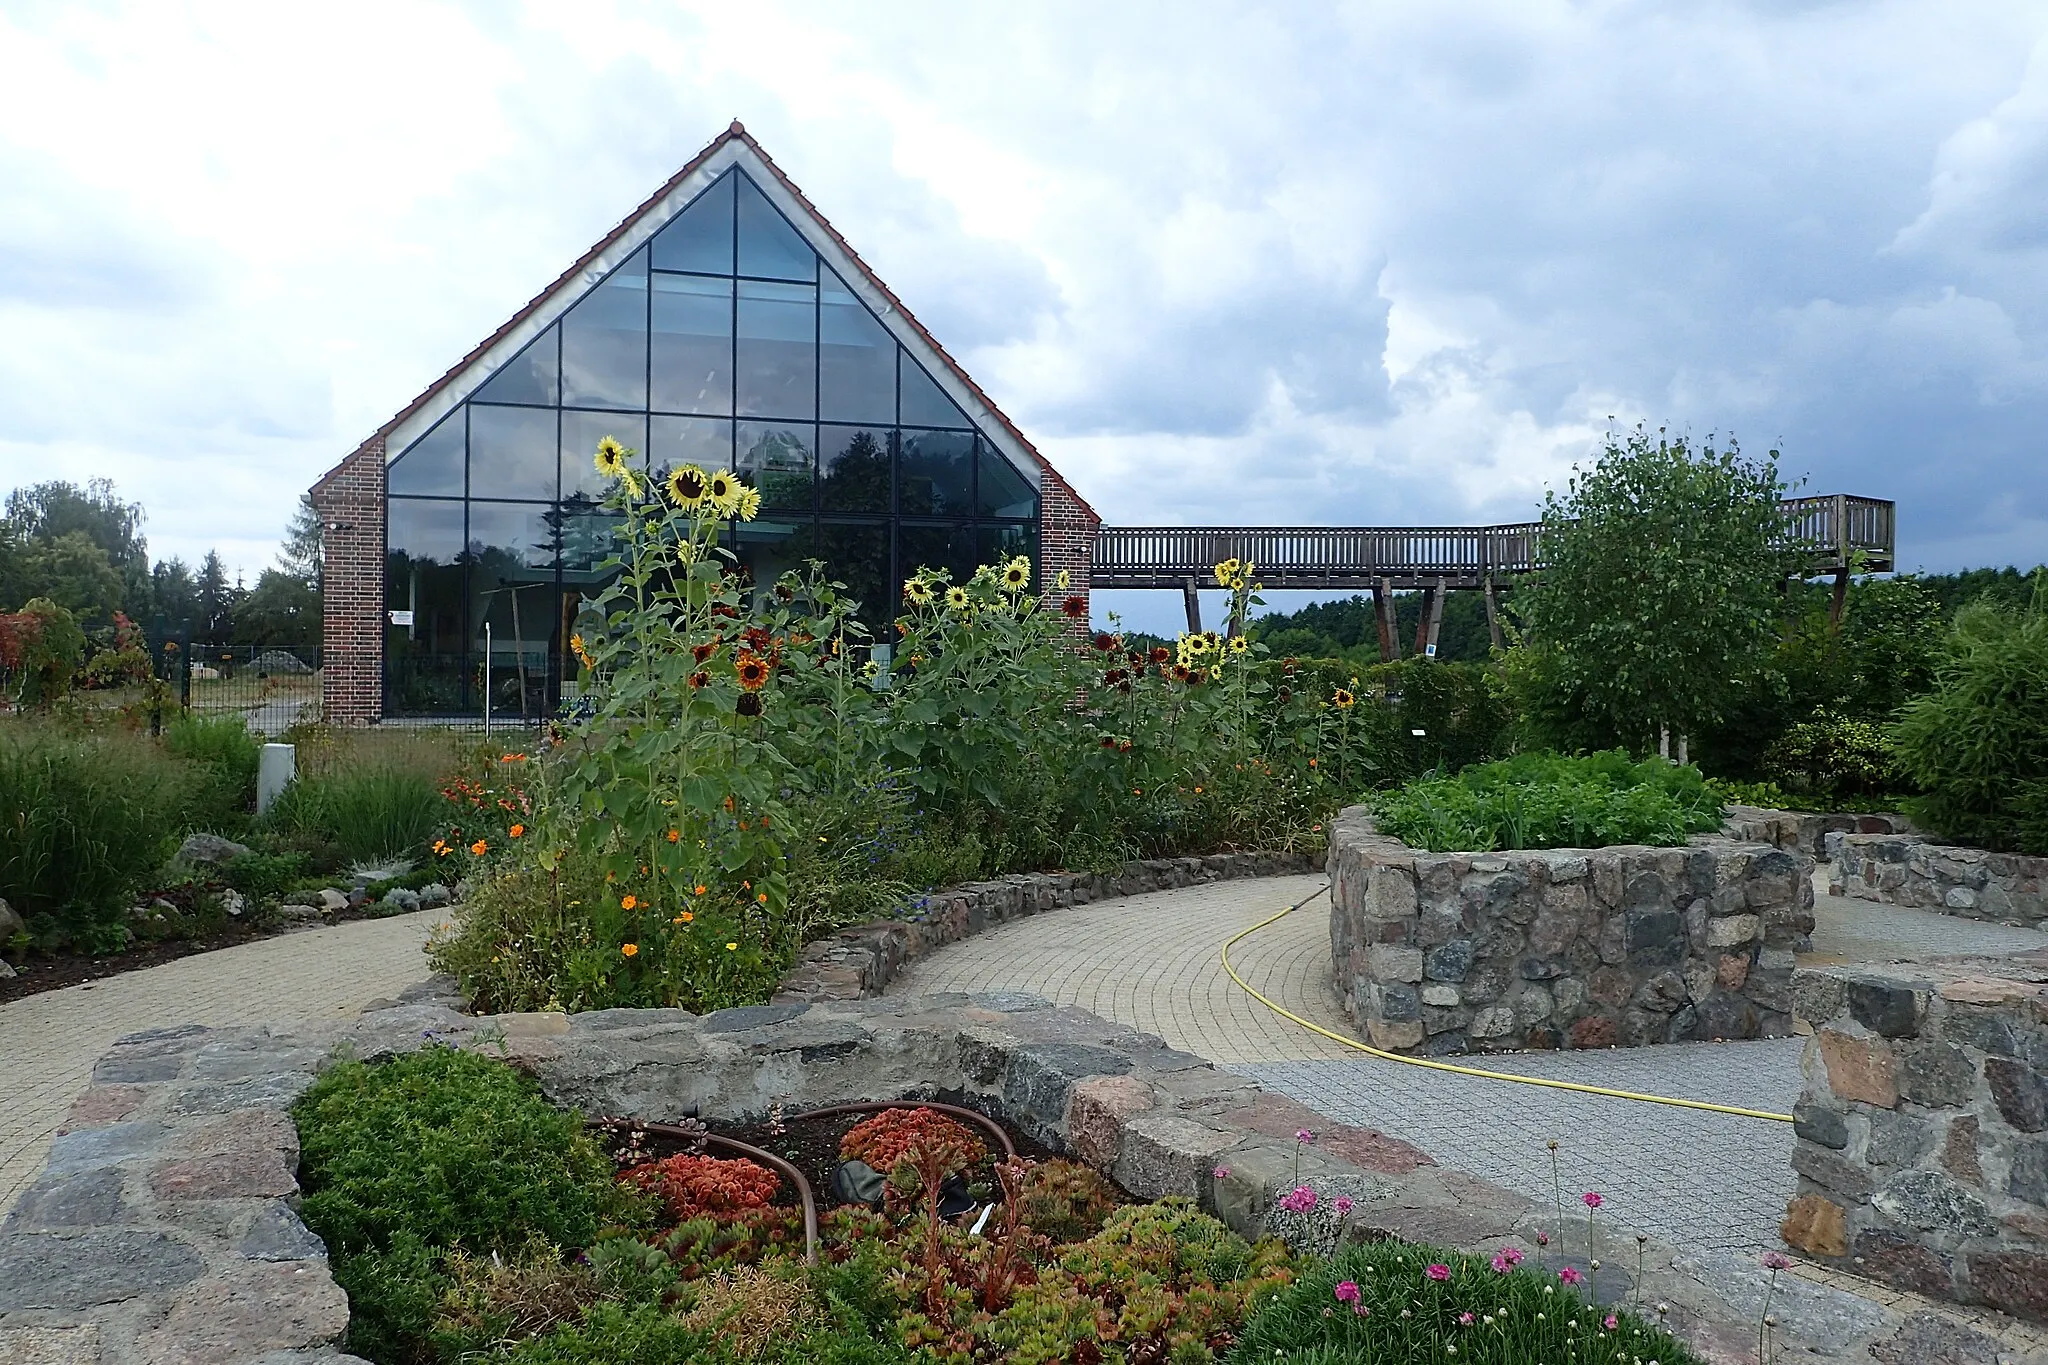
(724, 342)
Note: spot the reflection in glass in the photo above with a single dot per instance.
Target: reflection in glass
(604, 342)
(432, 464)
(528, 377)
(858, 556)
(513, 451)
(769, 246)
(1001, 490)
(853, 469)
(949, 547)
(584, 536)
(511, 555)
(705, 442)
(776, 355)
(692, 344)
(936, 473)
(922, 404)
(771, 546)
(581, 431)
(1001, 544)
(700, 237)
(423, 576)
(777, 458)
(856, 360)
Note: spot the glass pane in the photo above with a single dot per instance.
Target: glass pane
(936, 547)
(513, 450)
(585, 537)
(705, 442)
(777, 458)
(512, 588)
(432, 464)
(937, 470)
(853, 465)
(769, 245)
(858, 556)
(1001, 544)
(581, 431)
(856, 360)
(528, 377)
(424, 662)
(1002, 491)
(770, 546)
(777, 354)
(700, 237)
(692, 344)
(922, 403)
(604, 342)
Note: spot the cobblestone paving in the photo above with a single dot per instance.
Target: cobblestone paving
(49, 1042)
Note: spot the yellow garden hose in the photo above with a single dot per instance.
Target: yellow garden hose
(1353, 1043)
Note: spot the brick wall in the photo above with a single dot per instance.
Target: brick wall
(1066, 539)
(350, 500)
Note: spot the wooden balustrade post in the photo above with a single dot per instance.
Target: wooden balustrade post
(1194, 604)
(1383, 608)
(1492, 614)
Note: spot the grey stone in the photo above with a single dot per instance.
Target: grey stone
(1823, 1126)
(1163, 1154)
(1733, 931)
(7, 972)
(10, 923)
(1544, 968)
(120, 1068)
(1884, 1006)
(1725, 1014)
(1399, 1002)
(271, 1091)
(278, 1234)
(1439, 993)
(1662, 993)
(1931, 1202)
(332, 900)
(109, 1146)
(89, 1198)
(1040, 1079)
(744, 1017)
(1848, 1181)
(2028, 1178)
(1485, 983)
(2020, 1092)
(1938, 1075)
(1897, 1139)
(232, 903)
(1656, 937)
(1936, 1339)
(1495, 1021)
(78, 1270)
(1982, 1029)
(203, 848)
(1449, 962)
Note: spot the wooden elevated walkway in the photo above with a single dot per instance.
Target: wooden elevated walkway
(1836, 533)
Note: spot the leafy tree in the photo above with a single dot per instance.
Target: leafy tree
(45, 512)
(300, 555)
(281, 610)
(1659, 600)
(177, 592)
(72, 571)
(215, 616)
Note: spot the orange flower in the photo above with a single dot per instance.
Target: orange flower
(628, 902)
(629, 949)
(479, 848)
(763, 898)
(752, 670)
(516, 831)
(513, 758)
(674, 835)
(683, 918)
(699, 888)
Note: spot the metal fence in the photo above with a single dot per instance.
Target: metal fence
(270, 687)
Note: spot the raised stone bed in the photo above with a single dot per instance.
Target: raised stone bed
(858, 963)
(1451, 952)
(1923, 1128)
(163, 1226)
(1800, 831)
(1969, 882)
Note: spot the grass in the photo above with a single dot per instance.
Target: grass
(1548, 800)
(360, 814)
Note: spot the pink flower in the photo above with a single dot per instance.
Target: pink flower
(1500, 1264)
(1304, 1135)
(1223, 1173)
(1611, 1323)
(1543, 1239)
(1775, 1260)
(1570, 1275)
(1341, 1204)
(1438, 1272)
(1513, 1255)
(1347, 1291)
(1361, 1310)
(1465, 1318)
(1591, 1200)
(1301, 1199)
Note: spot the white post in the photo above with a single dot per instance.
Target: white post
(274, 772)
(1682, 750)
(487, 677)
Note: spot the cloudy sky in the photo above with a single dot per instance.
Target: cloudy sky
(1283, 263)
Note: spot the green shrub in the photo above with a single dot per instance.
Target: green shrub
(432, 1152)
(1547, 800)
(223, 746)
(1977, 746)
(84, 821)
(1833, 756)
(1516, 1316)
(265, 876)
(361, 814)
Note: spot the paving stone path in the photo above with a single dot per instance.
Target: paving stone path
(48, 1042)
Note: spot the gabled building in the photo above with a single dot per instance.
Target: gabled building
(726, 324)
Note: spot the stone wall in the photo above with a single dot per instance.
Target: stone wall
(1439, 953)
(861, 961)
(1923, 1128)
(1801, 831)
(1969, 882)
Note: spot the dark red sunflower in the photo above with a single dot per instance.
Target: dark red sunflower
(704, 651)
(1160, 654)
(1106, 643)
(758, 639)
(749, 704)
(1075, 607)
(700, 679)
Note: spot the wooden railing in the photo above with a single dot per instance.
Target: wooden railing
(1836, 531)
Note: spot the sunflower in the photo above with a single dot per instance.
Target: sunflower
(1075, 608)
(1180, 673)
(1017, 574)
(753, 671)
(917, 592)
(700, 679)
(749, 704)
(724, 491)
(748, 504)
(686, 485)
(1064, 581)
(956, 597)
(1343, 699)
(1227, 572)
(1239, 645)
(1106, 643)
(610, 458)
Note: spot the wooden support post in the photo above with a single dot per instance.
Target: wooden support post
(1841, 597)
(1492, 614)
(1194, 604)
(1383, 608)
(1432, 620)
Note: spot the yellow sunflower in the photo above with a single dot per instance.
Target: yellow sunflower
(724, 492)
(1064, 581)
(917, 592)
(1343, 699)
(1227, 571)
(1239, 644)
(1017, 574)
(956, 597)
(610, 459)
(686, 485)
(749, 504)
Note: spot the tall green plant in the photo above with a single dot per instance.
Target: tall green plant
(1977, 745)
(1658, 602)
